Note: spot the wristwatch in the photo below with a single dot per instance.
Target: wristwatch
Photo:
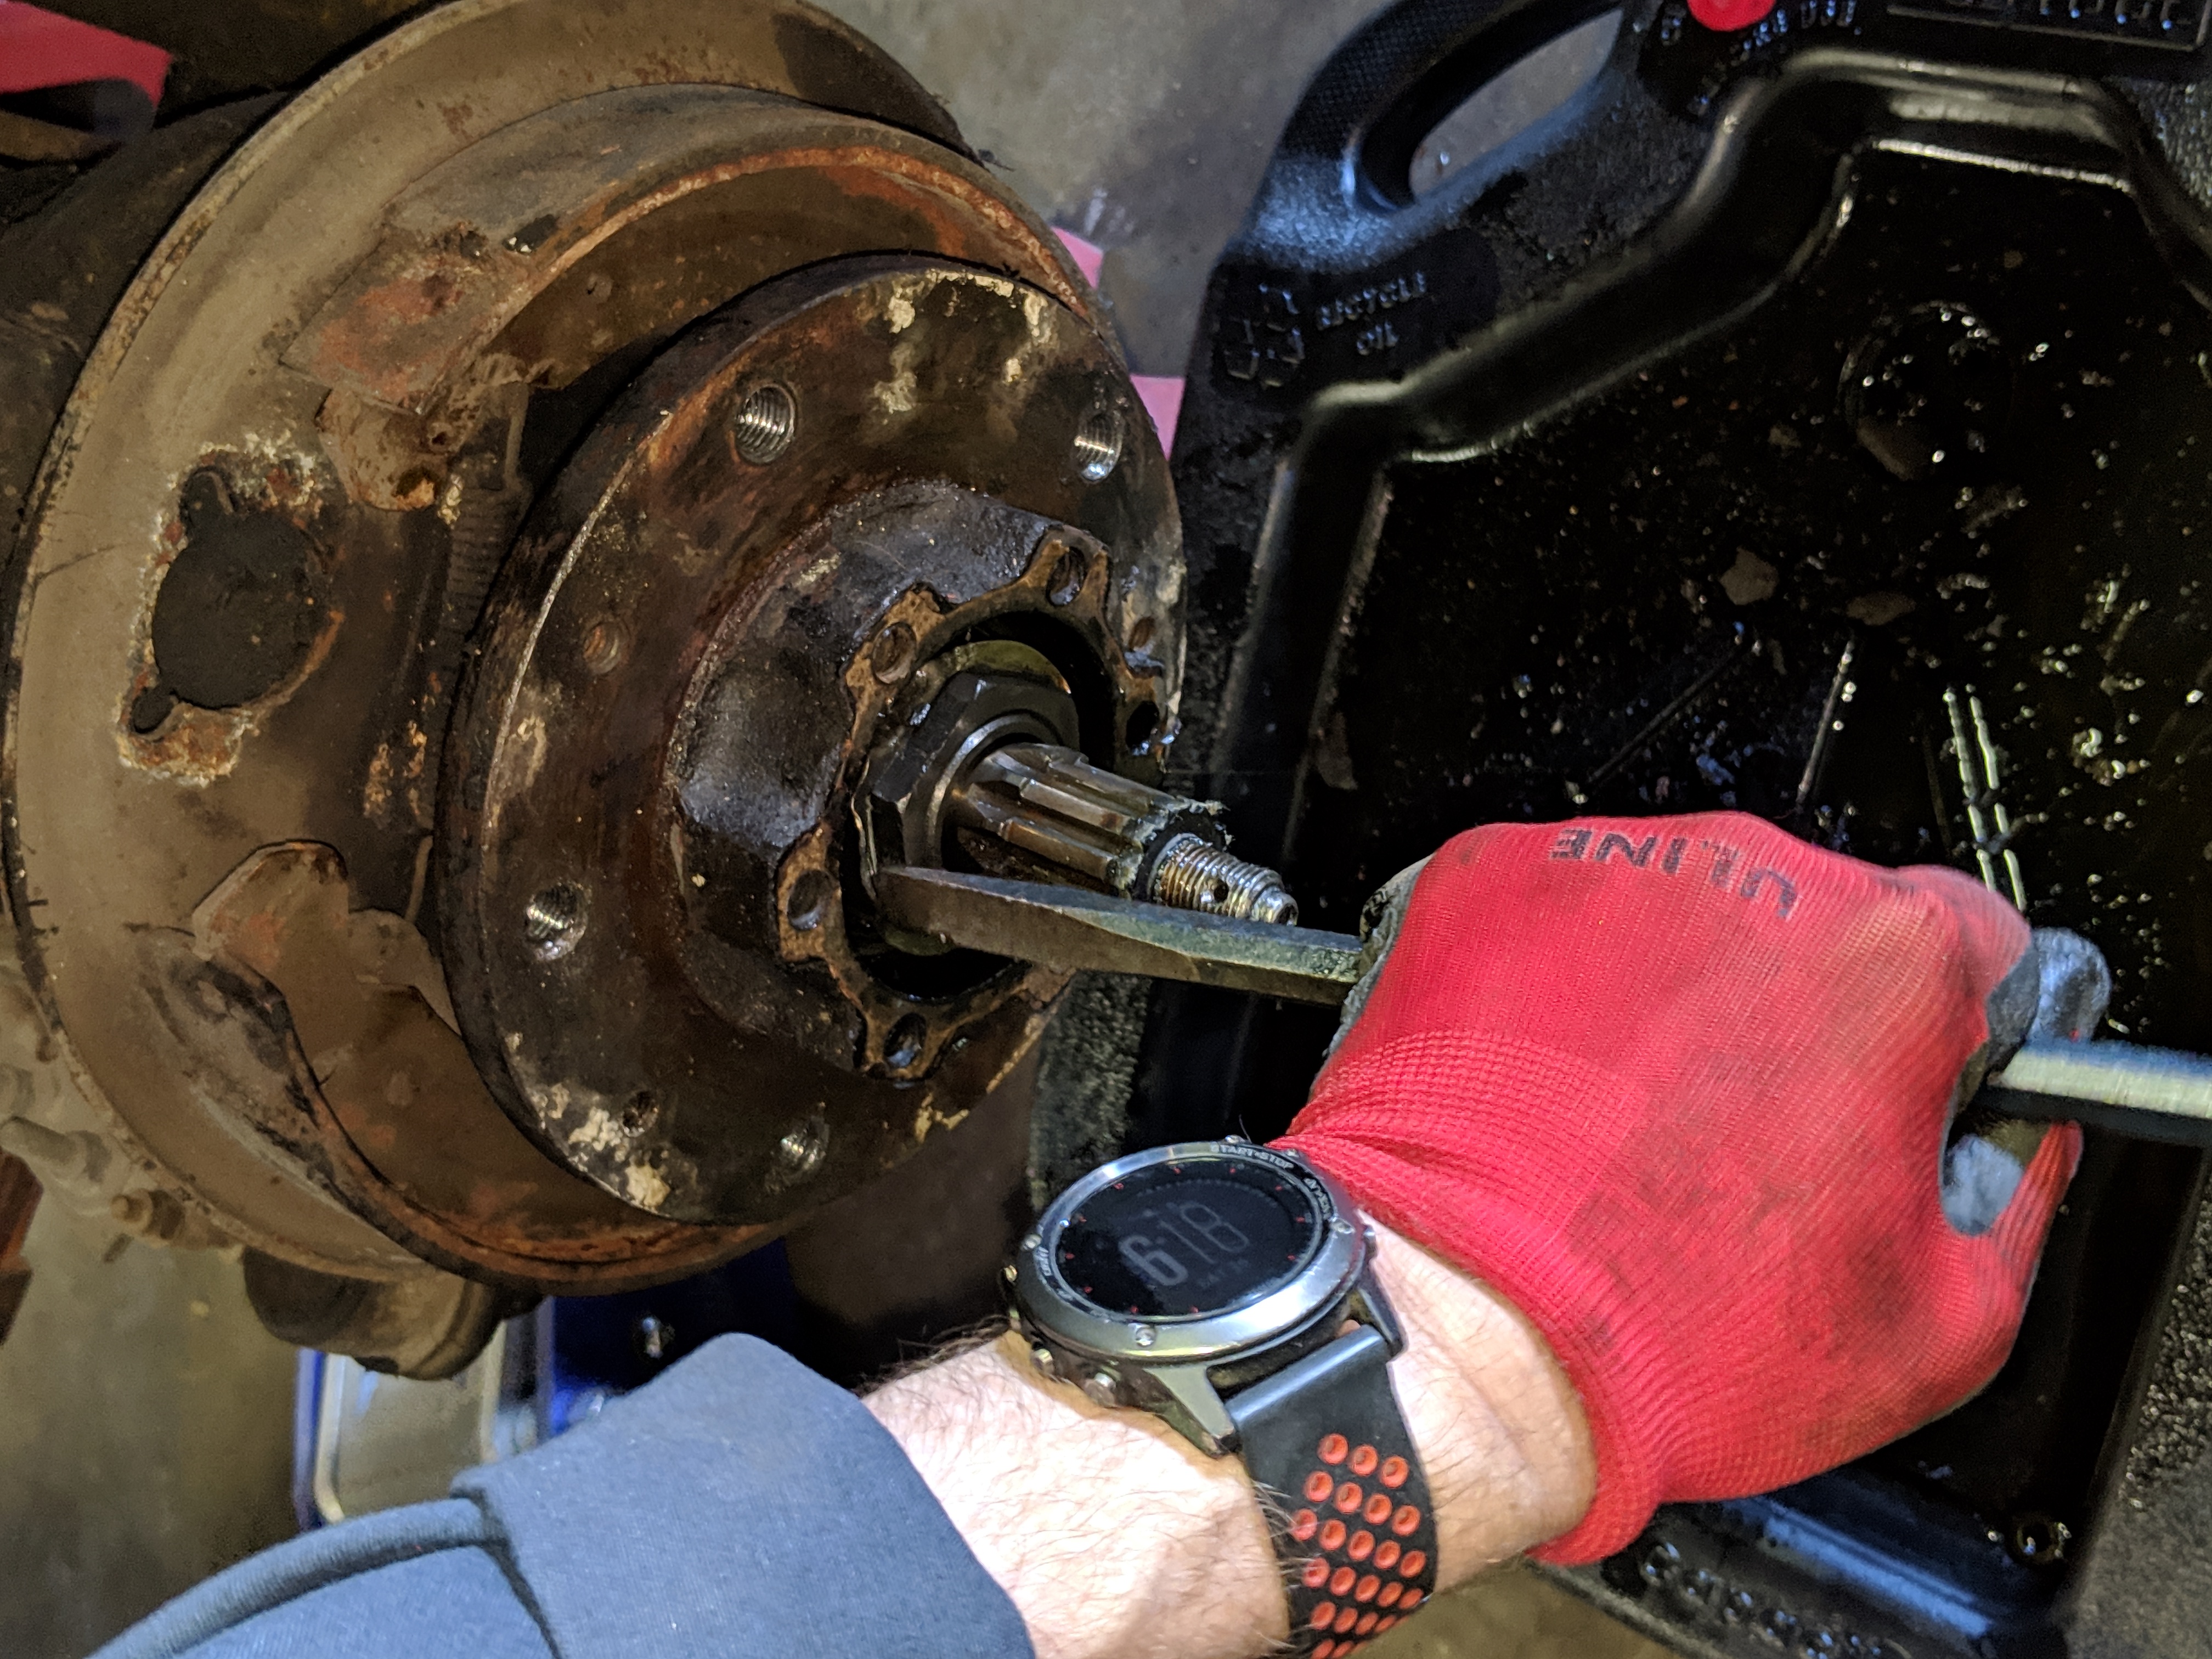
(1227, 1287)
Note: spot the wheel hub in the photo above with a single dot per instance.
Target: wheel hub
(454, 624)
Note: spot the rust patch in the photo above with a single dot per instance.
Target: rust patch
(415, 1141)
(398, 766)
(448, 277)
(383, 455)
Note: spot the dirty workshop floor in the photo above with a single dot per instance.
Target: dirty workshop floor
(145, 1418)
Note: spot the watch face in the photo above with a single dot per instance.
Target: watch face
(1197, 1237)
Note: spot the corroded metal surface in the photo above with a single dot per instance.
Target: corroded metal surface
(406, 1128)
(260, 542)
(648, 871)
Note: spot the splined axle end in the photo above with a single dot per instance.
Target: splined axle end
(1062, 817)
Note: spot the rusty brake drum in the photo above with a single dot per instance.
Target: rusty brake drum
(458, 600)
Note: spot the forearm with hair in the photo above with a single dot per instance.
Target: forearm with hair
(1113, 1534)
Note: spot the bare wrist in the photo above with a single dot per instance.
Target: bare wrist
(1112, 1533)
(1501, 1433)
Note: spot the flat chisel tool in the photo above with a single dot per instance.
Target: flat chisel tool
(1072, 927)
(2154, 1093)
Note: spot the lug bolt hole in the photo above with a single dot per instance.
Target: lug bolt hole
(799, 1154)
(808, 904)
(1065, 584)
(1141, 727)
(555, 919)
(606, 644)
(765, 421)
(1098, 445)
(905, 1045)
(892, 659)
(2038, 1540)
(1141, 635)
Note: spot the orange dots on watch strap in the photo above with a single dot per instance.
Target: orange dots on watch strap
(1369, 1597)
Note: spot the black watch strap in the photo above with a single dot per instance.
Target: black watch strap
(1346, 1501)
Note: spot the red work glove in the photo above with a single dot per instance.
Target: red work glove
(1679, 1088)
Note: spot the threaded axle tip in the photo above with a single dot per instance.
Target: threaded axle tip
(1196, 875)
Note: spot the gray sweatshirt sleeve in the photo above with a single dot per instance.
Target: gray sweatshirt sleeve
(738, 1505)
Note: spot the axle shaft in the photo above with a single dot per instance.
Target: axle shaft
(1054, 808)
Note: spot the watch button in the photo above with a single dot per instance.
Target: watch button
(1040, 1356)
(1104, 1387)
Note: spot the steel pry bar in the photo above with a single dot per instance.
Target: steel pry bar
(2154, 1093)
(1071, 928)
(2151, 1093)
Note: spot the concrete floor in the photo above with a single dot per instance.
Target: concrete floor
(144, 1416)
(145, 1434)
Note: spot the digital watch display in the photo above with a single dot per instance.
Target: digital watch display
(1184, 1239)
(1224, 1286)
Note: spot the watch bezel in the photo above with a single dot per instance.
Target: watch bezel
(1058, 1312)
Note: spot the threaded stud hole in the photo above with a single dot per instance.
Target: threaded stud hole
(555, 919)
(1098, 445)
(763, 428)
(905, 1043)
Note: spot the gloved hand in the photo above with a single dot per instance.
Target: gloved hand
(1681, 1089)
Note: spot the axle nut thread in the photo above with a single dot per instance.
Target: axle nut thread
(1194, 874)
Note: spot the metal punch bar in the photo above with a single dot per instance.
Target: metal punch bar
(2154, 1093)
(1071, 928)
